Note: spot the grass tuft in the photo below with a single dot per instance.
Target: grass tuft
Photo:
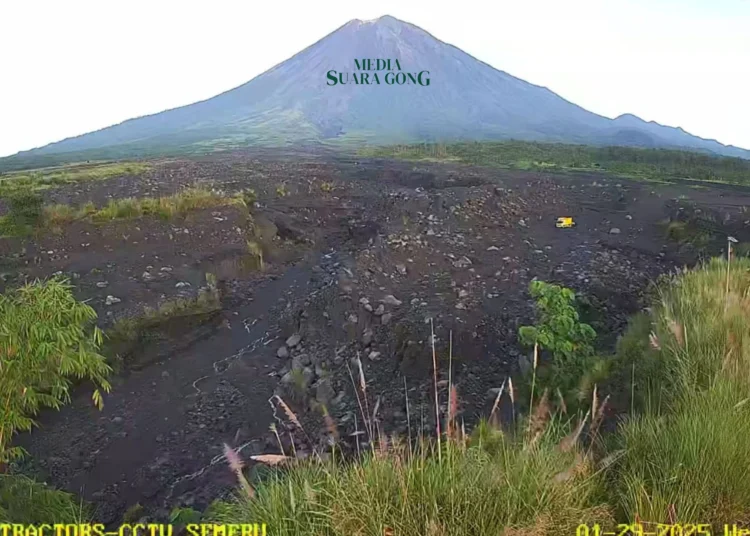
(169, 207)
(42, 179)
(22, 500)
(496, 483)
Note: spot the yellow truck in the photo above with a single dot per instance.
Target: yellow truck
(565, 223)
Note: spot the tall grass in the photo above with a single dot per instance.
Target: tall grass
(42, 179)
(168, 207)
(494, 483)
(686, 455)
(690, 466)
(533, 479)
(23, 500)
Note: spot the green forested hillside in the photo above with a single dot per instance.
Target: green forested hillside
(654, 164)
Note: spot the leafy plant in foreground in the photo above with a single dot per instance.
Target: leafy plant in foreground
(46, 341)
(560, 331)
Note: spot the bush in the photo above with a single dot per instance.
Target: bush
(559, 329)
(57, 215)
(24, 208)
(249, 197)
(46, 341)
(560, 332)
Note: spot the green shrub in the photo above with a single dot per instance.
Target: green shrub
(23, 500)
(249, 197)
(25, 208)
(281, 190)
(559, 328)
(46, 341)
(57, 215)
(568, 340)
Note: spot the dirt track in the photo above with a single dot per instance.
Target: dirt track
(452, 243)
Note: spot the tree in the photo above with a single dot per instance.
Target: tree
(47, 340)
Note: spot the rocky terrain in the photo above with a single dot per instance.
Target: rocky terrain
(364, 260)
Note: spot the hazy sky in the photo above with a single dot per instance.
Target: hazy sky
(69, 67)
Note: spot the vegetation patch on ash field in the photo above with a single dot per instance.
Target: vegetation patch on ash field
(653, 165)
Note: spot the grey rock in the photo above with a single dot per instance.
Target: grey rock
(401, 268)
(614, 230)
(282, 352)
(374, 355)
(386, 318)
(367, 336)
(339, 398)
(380, 310)
(324, 392)
(390, 299)
(111, 300)
(493, 248)
(308, 375)
(102, 284)
(293, 340)
(182, 284)
(302, 359)
(287, 378)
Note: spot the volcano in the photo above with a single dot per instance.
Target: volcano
(381, 81)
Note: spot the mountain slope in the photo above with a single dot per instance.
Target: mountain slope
(465, 99)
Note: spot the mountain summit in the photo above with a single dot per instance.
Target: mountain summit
(382, 80)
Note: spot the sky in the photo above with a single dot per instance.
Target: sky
(75, 66)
